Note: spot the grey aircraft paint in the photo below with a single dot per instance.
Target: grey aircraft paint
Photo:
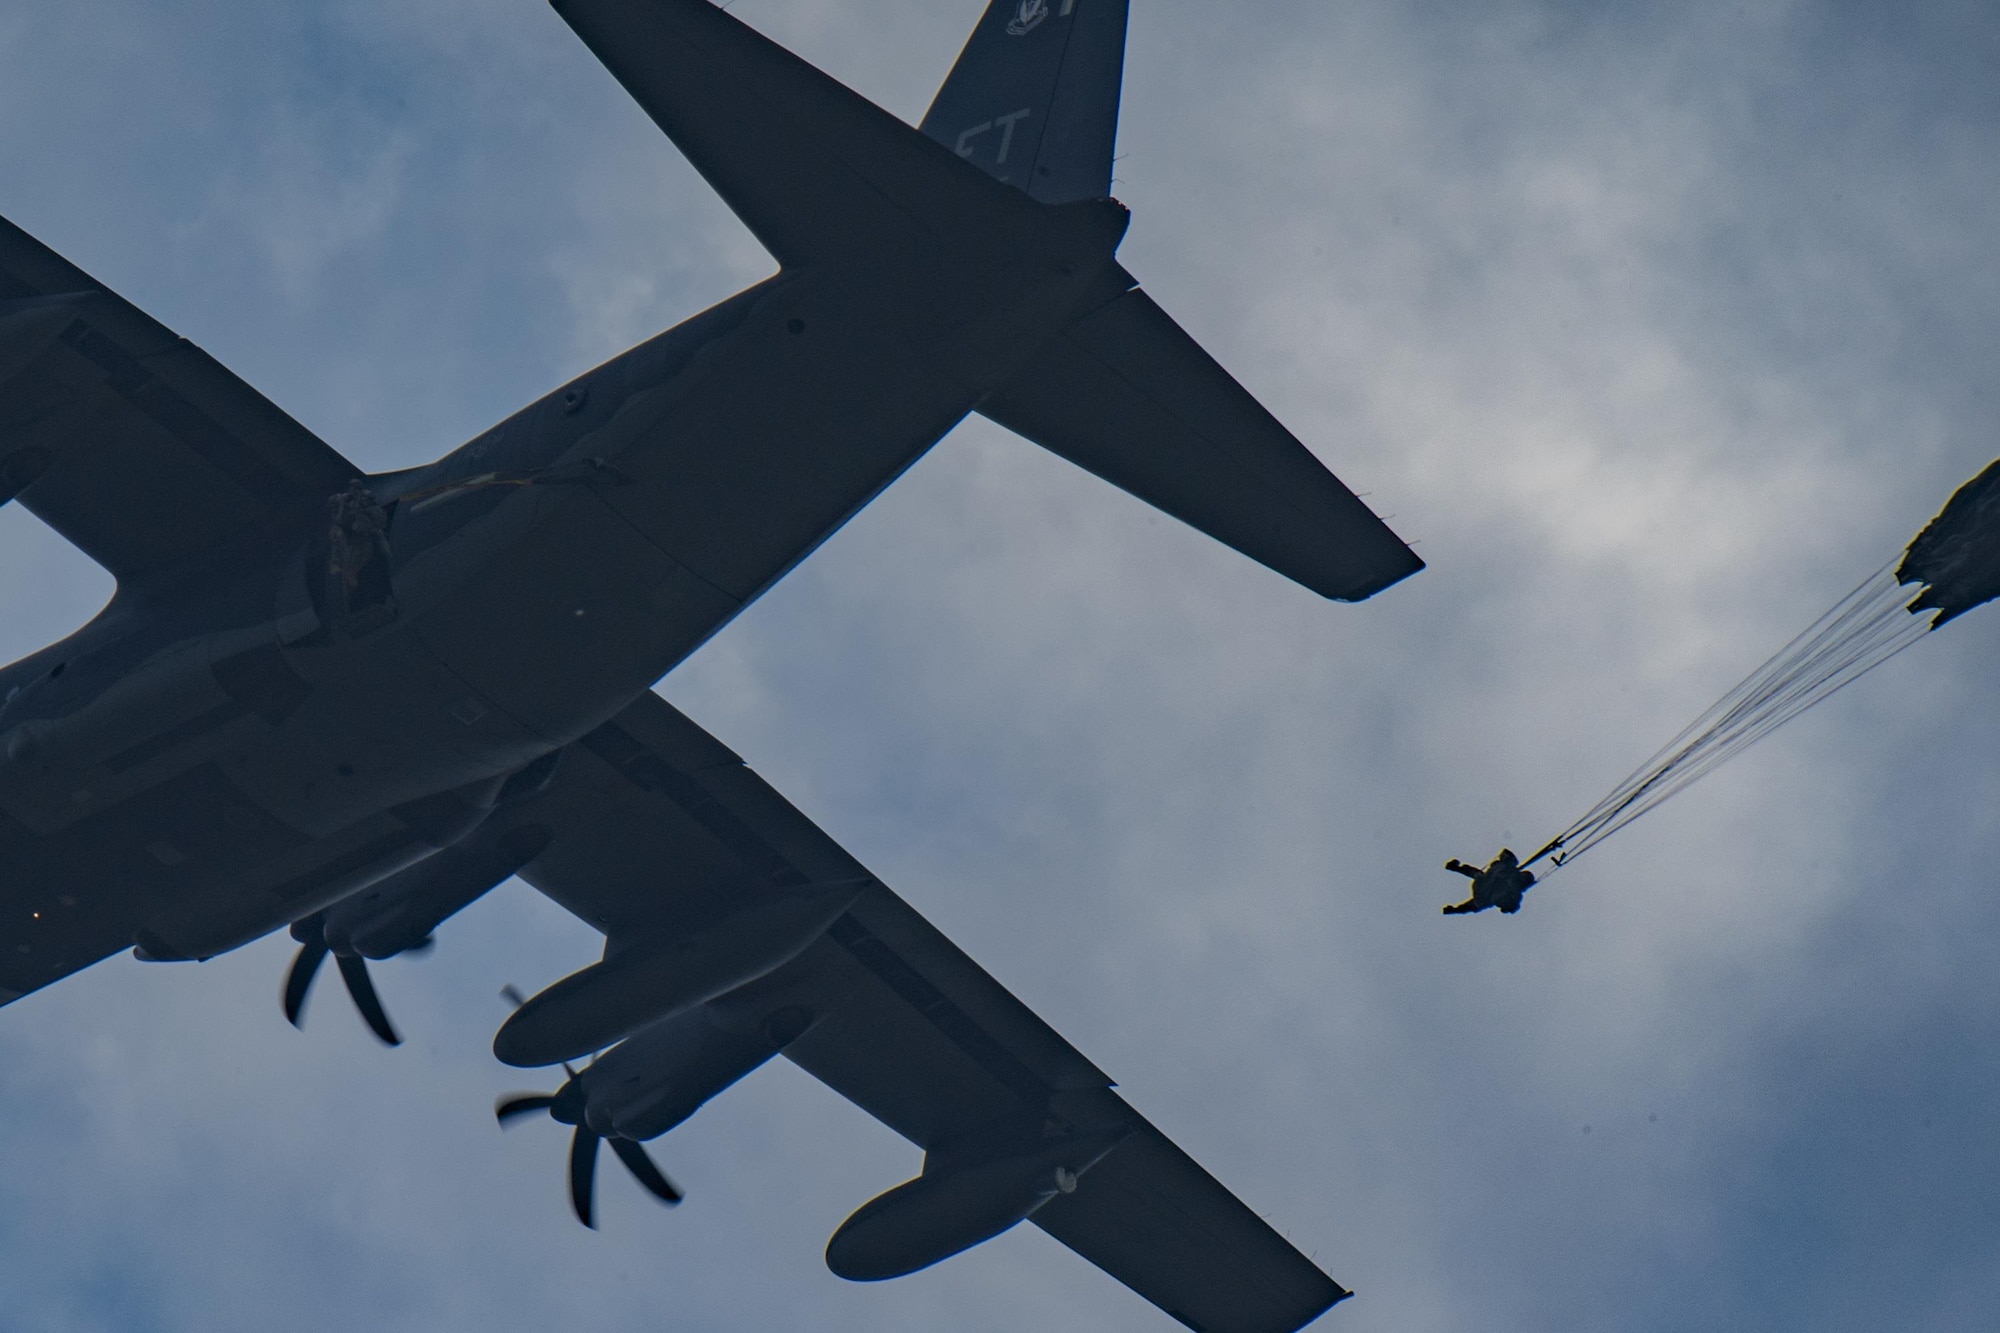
(351, 704)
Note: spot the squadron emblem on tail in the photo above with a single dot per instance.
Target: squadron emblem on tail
(1027, 17)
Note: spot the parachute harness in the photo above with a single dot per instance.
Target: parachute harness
(1863, 630)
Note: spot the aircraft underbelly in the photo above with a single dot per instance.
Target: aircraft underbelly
(254, 785)
(562, 625)
(717, 482)
(189, 869)
(534, 624)
(758, 455)
(74, 897)
(387, 721)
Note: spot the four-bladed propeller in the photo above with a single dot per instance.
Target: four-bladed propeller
(566, 1107)
(313, 949)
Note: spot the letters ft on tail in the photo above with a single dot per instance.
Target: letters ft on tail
(352, 704)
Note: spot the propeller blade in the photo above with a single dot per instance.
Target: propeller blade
(583, 1174)
(354, 971)
(512, 995)
(642, 1168)
(525, 1103)
(300, 979)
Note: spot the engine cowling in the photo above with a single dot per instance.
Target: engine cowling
(659, 1076)
(947, 1211)
(589, 1010)
(400, 912)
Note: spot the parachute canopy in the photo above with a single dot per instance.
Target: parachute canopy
(1954, 564)
(1958, 553)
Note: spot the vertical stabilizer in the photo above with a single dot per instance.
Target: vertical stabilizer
(1033, 99)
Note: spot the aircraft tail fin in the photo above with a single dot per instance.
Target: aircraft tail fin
(822, 175)
(1033, 99)
(1127, 394)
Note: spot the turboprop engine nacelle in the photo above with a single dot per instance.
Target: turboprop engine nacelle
(400, 912)
(946, 1211)
(662, 1074)
(643, 983)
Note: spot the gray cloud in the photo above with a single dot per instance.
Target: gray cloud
(1658, 331)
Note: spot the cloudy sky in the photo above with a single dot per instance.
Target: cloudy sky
(1657, 328)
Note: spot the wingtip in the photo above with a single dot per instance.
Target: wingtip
(1363, 592)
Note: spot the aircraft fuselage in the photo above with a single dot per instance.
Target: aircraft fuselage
(259, 733)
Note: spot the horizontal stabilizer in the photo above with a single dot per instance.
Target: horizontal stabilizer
(817, 172)
(1127, 394)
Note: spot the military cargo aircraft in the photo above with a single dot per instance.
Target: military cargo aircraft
(351, 704)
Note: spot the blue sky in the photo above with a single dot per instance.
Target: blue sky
(1658, 330)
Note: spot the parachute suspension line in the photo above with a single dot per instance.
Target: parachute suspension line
(1862, 631)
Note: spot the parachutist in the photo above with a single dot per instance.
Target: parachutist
(358, 547)
(1500, 884)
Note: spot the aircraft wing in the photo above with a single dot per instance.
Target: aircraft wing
(653, 818)
(132, 442)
